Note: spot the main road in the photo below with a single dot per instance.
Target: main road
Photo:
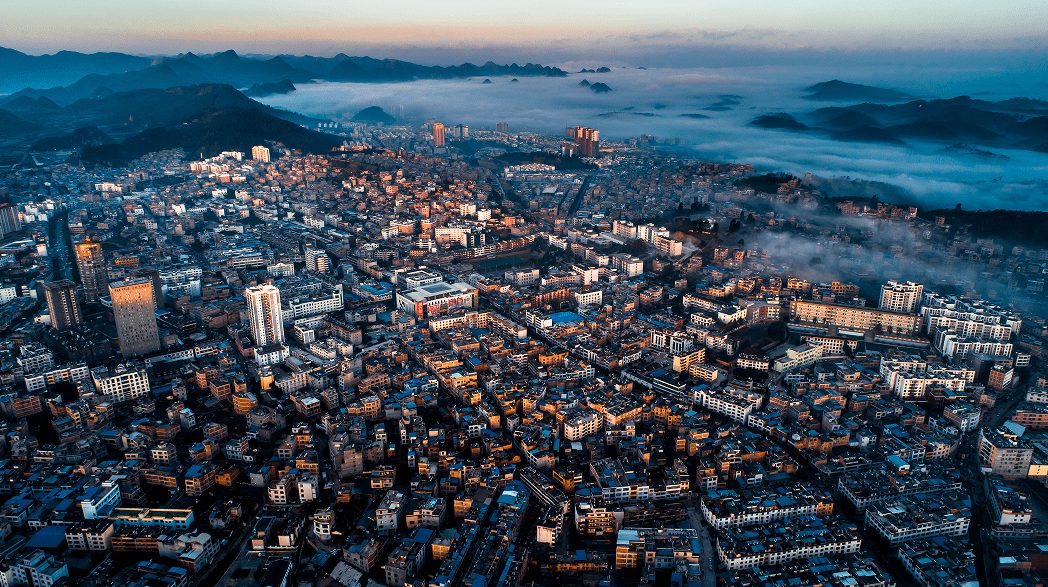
(61, 246)
(709, 556)
(579, 196)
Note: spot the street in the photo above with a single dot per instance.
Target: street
(709, 556)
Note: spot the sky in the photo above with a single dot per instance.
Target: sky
(555, 30)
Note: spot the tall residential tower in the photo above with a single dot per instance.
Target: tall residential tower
(62, 304)
(265, 315)
(267, 323)
(92, 266)
(438, 134)
(135, 315)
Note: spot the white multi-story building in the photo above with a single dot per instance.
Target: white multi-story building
(777, 543)
(260, 153)
(968, 318)
(98, 500)
(583, 424)
(909, 377)
(390, 512)
(725, 403)
(798, 358)
(1037, 395)
(735, 509)
(317, 260)
(127, 382)
(669, 246)
(314, 305)
(624, 229)
(73, 373)
(955, 346)
(35, 357)
(436, 299)
(35, 568)
(280, 490)
(901, 297)
(830, 346)
(676, 343)
(964, 416)
(943, 514)
(323, 522)
(308, 487)
(194, 551)
(585, 298)
(281, 269)
(265, 315)
(523, 277)
(628, 265)
(420, 278)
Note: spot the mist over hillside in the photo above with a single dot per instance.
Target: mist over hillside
(941, 135)
(712, 111)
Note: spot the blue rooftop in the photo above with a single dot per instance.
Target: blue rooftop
(48, 537)
(565, 317)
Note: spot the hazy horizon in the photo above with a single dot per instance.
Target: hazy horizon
(763, 51)
(668, 32)
(654, 102)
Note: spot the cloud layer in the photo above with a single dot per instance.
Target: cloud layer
(655, 102)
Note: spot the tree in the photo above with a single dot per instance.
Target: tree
(678, 305)
(777, 330)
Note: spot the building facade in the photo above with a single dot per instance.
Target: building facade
(62, 304)
(92, 266)
(134, 311)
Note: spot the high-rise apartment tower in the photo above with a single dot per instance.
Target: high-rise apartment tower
(265, 315)
(62, 304)
(135, 316)
(438, 134)
(92, 266)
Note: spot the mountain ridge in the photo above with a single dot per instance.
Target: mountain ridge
(210, 132)
(22, 74)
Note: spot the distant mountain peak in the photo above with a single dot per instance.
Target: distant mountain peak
(373, 114)
(837, 90)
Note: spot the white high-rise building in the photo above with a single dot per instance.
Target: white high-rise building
(260, 153)
(901, 297)
(318, 260)
(265, 315)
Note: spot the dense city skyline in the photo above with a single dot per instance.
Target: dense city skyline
(672, 294)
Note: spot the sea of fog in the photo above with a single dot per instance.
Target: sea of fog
(655, 102)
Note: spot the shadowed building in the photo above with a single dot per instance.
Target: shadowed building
(153, 275)
(62, 304)
(135, 316)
